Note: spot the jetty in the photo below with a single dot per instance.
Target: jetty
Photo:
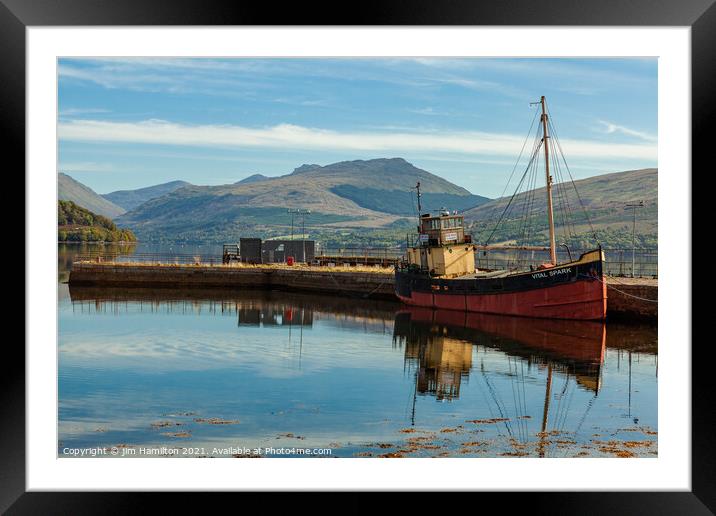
(373, 282)
(628, 298)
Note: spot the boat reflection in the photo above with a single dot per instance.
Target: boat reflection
(439, 343)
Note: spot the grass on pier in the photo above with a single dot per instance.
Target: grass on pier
(300, 266)
(263, 266)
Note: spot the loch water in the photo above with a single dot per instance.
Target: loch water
(222, 373)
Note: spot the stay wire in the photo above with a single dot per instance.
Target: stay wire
(509, 203)
(579, 197)
(519, 157)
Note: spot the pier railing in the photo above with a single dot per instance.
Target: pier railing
(376, 256)
(618, 261)
(158, 258)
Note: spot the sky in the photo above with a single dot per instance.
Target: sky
(126, 123)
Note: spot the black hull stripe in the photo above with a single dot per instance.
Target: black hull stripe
(408, 282)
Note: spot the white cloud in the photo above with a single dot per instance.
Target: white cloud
(82, 111)
(223, 77)
(117, 79)
(481, 85)
(285, 136)
(155, 76)
(611, 128)
(427, 111)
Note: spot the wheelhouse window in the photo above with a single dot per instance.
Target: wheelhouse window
(451, 223)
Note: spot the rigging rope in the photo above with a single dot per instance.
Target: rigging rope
(584, 209)
(519, 157)
(513, 196)
(525, 228)
(564, 206)
(529, 208)
(529, 197)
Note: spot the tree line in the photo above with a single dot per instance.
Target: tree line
(78, 224)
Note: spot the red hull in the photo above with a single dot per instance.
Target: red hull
(583, 341)
(585, 300)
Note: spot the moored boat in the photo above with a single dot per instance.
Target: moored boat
(439, 270)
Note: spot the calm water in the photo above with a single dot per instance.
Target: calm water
(66, 253)
(213, 373)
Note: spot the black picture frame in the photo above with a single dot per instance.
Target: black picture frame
(700, 15)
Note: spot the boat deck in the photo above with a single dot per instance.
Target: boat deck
(486, 275)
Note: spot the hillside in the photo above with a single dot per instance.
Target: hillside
(353, 195)
(77, 224)
(69, 189)
(252, 179)
(130, 199)
(604, 198)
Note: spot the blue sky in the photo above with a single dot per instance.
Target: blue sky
(126, 123)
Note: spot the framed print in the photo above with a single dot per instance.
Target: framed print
(425, 245)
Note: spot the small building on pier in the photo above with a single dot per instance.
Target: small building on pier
(250, 250)
(253, 250)
(277, 251)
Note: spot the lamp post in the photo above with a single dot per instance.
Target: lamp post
(303, 214)
(633, 206)
(291, 212)
(303, 234)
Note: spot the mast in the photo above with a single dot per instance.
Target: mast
(420, 209)
(550, 213)
(417, 187)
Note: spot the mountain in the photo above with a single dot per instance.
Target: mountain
(350, 195)
(69, 189)
(130, 199)
(77, 224)
(604, 198)
(252, 179)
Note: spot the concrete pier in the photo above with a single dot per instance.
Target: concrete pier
(347, 282)
(628, 299)
(632, 298)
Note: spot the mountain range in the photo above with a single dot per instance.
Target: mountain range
(351, 195)
(69, 189)
(362, 202)
(252, 179)
(130, 199)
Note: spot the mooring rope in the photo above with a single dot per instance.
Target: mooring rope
(621, 291)
(380, 285)
(354, 294)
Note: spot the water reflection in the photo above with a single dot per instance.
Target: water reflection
(354, 372)
(440, 342)
(259, 307)
(69, 252)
